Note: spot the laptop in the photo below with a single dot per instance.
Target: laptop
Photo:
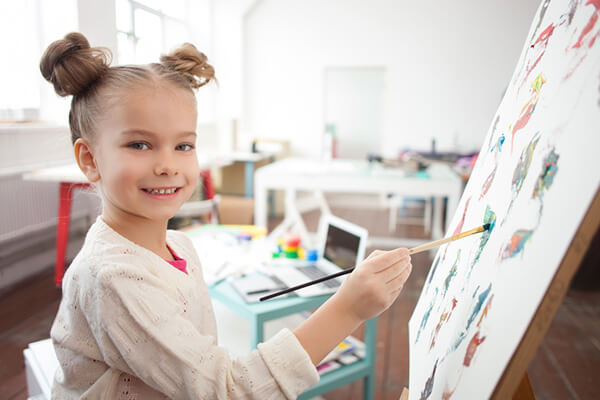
(341, 245)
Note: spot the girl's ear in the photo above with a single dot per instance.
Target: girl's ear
(85, 159)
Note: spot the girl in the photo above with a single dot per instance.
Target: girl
(135, 320)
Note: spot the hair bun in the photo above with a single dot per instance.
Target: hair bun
(191, 64)
(72, 66)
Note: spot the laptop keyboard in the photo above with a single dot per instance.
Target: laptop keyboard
(315, 273)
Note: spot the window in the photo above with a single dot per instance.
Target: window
(143, 26)
(26, 28)
(147, 28)
(20, 96)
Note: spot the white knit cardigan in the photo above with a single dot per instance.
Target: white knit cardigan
(131, 326)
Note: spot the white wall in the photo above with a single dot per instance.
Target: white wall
(447, 63)
(226, 55)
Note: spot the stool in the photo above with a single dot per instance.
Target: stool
(40, 365)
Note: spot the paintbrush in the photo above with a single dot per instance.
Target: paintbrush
(414, 250)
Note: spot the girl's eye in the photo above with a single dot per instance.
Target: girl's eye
(139, 146)
(184, 147)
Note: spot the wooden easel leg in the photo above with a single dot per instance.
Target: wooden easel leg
(524, 390)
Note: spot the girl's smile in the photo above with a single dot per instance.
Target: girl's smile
(164, 193)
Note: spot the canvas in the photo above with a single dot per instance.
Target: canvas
(534, 180)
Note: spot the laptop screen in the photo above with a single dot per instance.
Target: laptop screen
(341, 247)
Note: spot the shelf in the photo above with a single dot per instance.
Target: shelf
(337, 378)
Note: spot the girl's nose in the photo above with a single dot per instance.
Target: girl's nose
(165, 166)
(165, 170)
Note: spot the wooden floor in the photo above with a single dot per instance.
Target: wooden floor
(566, 366)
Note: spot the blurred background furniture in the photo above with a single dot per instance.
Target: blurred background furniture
(358, 176)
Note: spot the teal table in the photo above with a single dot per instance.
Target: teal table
(258, 313)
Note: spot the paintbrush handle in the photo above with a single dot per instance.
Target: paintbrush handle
(436, 243)
(414, 250)
(310, 283)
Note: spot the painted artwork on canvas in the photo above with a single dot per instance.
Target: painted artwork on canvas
(534, 180)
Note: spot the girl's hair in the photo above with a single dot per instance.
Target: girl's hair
(75, 68)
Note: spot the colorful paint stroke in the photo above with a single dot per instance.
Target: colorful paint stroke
(488, 183)
(463, 334)
(493, 130)
(538, 49)
(498, 145)
(546, 177)
(571, 14)
(451, 273)
(528, 108)
(516, 243)
(474, 343)
(459, 227)
(586, 39)
(521, 170)
(426, 317)
(432, 272)
(488, 218)
(444, 317)
(523, 165)
(429, 384)
(472, 348)
(540, 18)
(480, 300)
(447, 393)
(485, 311)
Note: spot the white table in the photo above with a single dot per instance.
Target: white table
(357, 176)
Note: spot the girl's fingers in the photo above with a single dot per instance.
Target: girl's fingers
(374, 253)
(399, 261)
(401, 277)
(381, 261)
(393, 271)
(398, 284)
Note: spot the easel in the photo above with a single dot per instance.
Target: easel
(514, 382)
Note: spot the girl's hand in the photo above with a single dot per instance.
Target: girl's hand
(375, 283)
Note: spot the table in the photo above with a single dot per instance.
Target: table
(69, 178)
(258, 313)
(357, 176)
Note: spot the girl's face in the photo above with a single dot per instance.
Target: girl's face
(145, 153)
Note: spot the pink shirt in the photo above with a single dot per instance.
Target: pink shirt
(179, 262)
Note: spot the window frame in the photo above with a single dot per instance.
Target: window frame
(134, 38)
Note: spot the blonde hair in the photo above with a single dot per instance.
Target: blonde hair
(84, 72)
